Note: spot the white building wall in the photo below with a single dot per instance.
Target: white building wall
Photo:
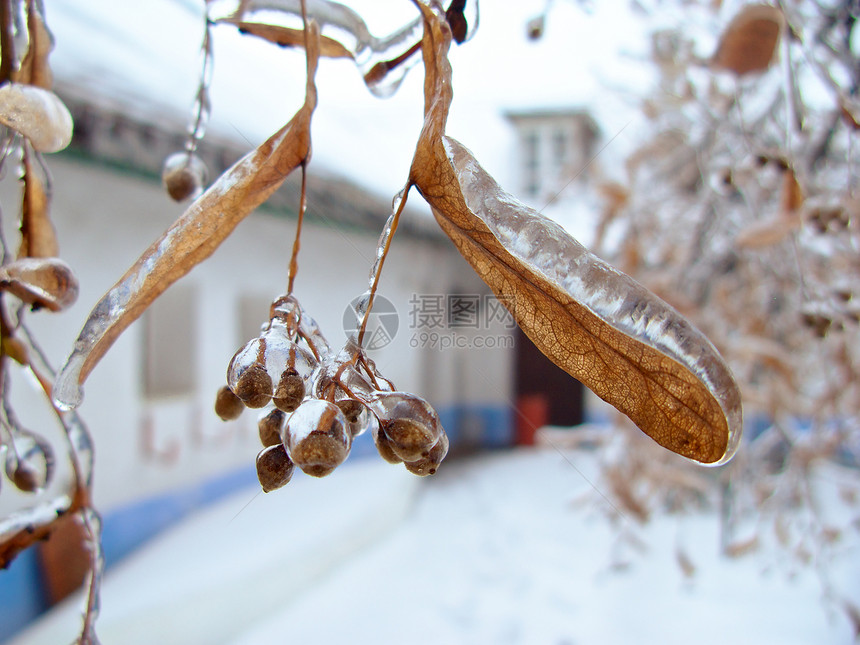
(106, 219)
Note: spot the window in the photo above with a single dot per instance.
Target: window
(531, 163)
(170, 344)
(559, 149)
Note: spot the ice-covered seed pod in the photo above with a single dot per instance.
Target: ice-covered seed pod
(29, 463)
(290, 391)
(228, 406)
(41, 282)
(357, 415)
(271, 427)
(294, 379)
(248, 377)
(383, 446)
(184, 175)
(429, 464)
(317, 437)
(409, 422)
(274, 468)
(37, 114)
(254, 386)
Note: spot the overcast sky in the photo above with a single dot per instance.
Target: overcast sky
(146, 55)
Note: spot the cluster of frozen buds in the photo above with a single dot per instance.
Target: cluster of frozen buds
(315, 401)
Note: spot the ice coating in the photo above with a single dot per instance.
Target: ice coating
(383, 61)
(358, 416)
(91, 523)
(317, 437)
(611, 296)
(202, 108)
(41, 282)
(29, 462)
(206, 223)
(37, 114)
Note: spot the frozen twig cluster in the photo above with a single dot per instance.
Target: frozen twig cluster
(35, 121)
(741, 208)
(634, 350)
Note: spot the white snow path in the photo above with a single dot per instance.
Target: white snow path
(493, 549)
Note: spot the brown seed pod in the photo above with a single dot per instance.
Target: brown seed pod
(37, 114)
(254, 386)
(429, 464)
(26, 478)
(271, 427)
(183, 176)
(317, 437)
(410, 423)
(358, 415)
(383, 446)
(290, 391)
(274, 468)
(41, 282)
(29, 464)
(409, 439)
(228, 406)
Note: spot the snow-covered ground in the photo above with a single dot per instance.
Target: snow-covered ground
(494, 549)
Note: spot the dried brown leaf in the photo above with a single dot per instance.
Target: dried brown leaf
(742, 547)
(749, 42)
(791, 195)
(631, 348)
(688, 568)
(621, 489)
(193, 237)
(286, 37)
(37, 114)
(853, 613)
(849, 119)
(767, 232)
(35, 69)
(38, 237)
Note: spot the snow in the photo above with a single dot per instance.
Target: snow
(509, 547)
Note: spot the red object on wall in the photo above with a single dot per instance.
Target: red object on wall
(532, 412)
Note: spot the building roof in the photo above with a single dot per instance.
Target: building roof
(139, 143)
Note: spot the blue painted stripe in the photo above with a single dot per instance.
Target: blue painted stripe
(478, 425)
(22, 595)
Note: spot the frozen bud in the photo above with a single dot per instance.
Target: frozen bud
(247, 375)
(41, 282)
(26, 478)
(290, 366)
(429, 464)
(274, 468)
(254, 387)
(317, 437)
(228, 406)
(409, 422)
(535, 27)
(410, 440)
(271, 427)
(183, 175)
(383, 446)
(37, 114)
(290, 391)
(357, 415)
(29, 464)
